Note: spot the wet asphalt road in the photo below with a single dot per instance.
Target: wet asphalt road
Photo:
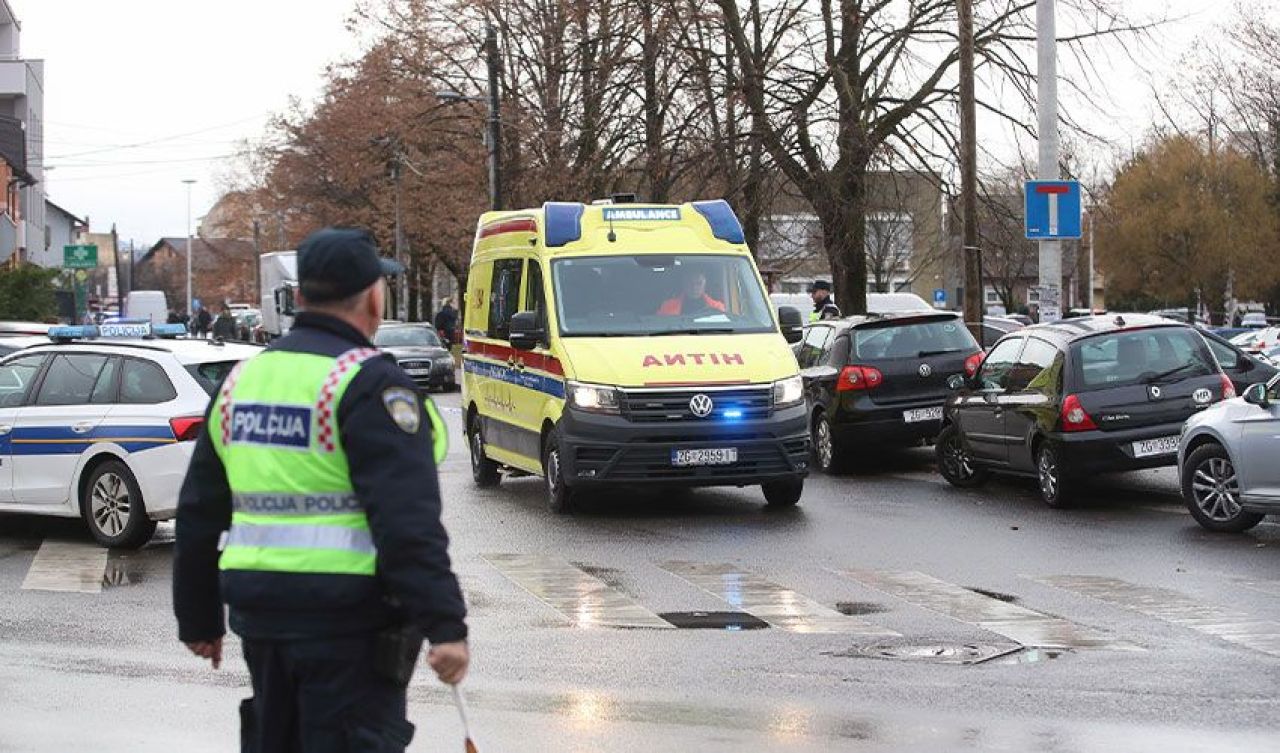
(1188, 625)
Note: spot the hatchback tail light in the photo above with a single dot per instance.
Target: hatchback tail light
(973, 363)
(1228, 389)
(186, 428)
(859, 378)
(1075, 417)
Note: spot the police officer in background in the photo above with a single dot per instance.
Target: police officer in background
(824, 307)
(311, 508)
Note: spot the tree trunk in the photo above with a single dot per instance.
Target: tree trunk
(844, 236)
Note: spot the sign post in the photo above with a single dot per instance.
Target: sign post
(939, 298)
(1053, 214)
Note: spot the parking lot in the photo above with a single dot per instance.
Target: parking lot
(893, 613)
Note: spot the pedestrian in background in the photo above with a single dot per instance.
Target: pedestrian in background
(313, 491)
(447, 320)
(224, 327)
(204, 322)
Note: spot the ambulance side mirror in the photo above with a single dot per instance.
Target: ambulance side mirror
(792, 323)
(525, 333)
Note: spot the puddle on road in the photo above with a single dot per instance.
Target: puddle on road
(584, 599)
(714, 620)
(963, 654)
(998, 596)
(858, 608)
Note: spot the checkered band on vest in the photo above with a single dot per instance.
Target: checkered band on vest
(326, 420)
(224, 401)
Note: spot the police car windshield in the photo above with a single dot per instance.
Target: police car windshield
(659, 294)
(406, 337)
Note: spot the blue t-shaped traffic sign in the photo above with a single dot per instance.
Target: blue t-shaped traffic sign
(1052, 210)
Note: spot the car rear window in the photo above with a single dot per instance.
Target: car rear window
(211, 374)
(1142, 356)
(912, 339)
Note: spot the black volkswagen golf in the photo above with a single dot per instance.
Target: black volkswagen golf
(880, 381)
(1079, 397)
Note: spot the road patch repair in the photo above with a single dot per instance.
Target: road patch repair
(67, 566)
(1176, 608)
(1028, 629)
(780, 607)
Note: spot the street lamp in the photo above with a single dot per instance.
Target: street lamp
(189, 182)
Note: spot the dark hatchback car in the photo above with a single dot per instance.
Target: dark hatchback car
(1240, 367)
(880, 381)
(1067, 400)
(418, 350)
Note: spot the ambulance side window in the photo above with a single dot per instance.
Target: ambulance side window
(504, 296)
(535, 299)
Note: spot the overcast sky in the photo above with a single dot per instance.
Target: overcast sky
(185, 80)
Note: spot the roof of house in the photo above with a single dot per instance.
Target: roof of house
(208, 253)
(74, 219)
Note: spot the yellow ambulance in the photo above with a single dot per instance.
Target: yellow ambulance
(625, 344)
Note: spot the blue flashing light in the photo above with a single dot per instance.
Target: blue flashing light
(562, 222)
(168, 330)
(72, 333)
(724, 223)
(733, 413)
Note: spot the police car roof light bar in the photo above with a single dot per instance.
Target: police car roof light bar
(116, 330)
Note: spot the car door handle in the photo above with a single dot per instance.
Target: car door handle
(82, 427)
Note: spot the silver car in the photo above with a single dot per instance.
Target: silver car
(1229, 458)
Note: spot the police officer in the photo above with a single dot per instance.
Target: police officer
(823, 306)
(311, 508)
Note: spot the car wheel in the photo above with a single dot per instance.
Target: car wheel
(826, 450)
(113, 508)
(1055, 489)
(484, 472)
(954, 462)
(779, 494)
(560, 496)
(1211, 489)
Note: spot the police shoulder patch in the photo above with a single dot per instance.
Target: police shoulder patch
(402, 406)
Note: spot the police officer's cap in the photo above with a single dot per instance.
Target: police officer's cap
(336, 263)
(820, 285)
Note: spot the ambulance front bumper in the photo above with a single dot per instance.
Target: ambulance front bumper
(603, 449)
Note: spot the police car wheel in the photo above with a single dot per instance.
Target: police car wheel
(560, 497)
(483, 470)
(112, 507)
(783, 493)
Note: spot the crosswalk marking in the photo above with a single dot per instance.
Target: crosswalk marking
(778, 606)
(1177, 608)
(586, 601)
(67, 566)
(1025, 626)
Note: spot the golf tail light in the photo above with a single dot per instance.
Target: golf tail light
(1228, 389)
(1074, 416)
(186, 428)
(856, 378)
(972, 363)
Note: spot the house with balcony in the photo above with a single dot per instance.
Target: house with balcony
(22, 108)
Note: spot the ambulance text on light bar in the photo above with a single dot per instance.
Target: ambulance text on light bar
(663, 214)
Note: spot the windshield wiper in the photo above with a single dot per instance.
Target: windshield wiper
(1171, 372)
(598, 334)
(944, 351)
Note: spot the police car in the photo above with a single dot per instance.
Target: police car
(100, 423)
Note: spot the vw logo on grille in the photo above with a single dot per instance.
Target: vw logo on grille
(926, 370)
(1155, 392)
(701, 406)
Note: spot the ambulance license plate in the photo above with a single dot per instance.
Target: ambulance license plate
(1152, 447)
(922, 414)
(721, 456)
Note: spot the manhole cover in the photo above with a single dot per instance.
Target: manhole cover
(714, 620)
(937, 653)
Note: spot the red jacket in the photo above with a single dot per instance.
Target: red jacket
(675, 306)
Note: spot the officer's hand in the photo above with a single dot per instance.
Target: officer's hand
(211, 650)
(450, 661)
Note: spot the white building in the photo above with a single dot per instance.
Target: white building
(22, 97)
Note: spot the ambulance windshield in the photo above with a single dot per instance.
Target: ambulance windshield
(659, 294)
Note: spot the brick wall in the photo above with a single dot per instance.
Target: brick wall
(223, 270)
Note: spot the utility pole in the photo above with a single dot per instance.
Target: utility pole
(189, 182)
(495, 116)
(975, 293)
(257, 265)
(402, 282)
(1093, 211)
(1047, 110)
(115, 248)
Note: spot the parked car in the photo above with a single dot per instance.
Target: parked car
(22, 329)
(1254, 320)
(1227, 333)
(1258, 340)
(418, 350)
(1071, 399)
(1242, 368)
(1227, 458)
(996, 327)
(880, 381)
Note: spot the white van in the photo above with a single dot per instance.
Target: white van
(147, 304)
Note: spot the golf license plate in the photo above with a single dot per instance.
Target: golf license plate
(720, 456)
(922, 414)
(1152, 447)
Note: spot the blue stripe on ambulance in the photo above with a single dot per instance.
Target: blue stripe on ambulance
(521, 378)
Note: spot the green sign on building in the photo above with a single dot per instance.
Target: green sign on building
(80, 257)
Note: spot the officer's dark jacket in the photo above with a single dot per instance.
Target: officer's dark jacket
(394, 476)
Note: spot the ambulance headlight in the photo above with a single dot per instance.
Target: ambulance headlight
(592, 398)
(788, 392)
